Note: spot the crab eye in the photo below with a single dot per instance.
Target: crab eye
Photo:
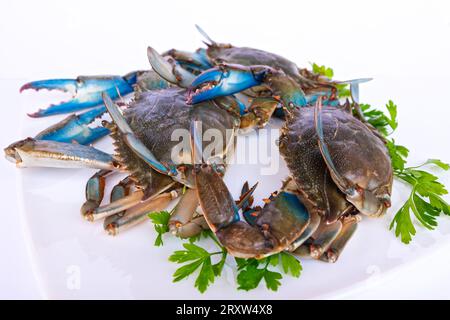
(386, 200)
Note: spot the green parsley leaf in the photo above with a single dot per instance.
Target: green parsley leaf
(403, 224)
(392, 119)
(186, 270)
(379, 119)
(250, 274)
(199, 236)
(250, 277)
(438, 163)
(274, 260)
(327, 72)
(343, 90)
(161, 224)
(201, 261)
(272, 280)
(375, 117)
(290, 264)
(424, 185)
(205, 276)
(398, 155)
(218, 267)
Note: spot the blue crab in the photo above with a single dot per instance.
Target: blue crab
(340, 169)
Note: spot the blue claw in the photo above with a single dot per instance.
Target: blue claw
(75, 128)
(86, 91)
(225, 80)
(66, 85)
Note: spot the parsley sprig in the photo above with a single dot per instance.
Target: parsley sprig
(250, 274)
(161, 223)
(199, 259)
(425, 201)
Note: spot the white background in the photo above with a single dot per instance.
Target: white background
(403, 45)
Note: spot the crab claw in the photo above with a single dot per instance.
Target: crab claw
(86, 91)
(225, 80)
(75, 128)
(273, 229)
(39, 153)
(169, 69)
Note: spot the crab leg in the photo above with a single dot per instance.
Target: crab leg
(310, 230)
(115, 206)
(182, 215)
(335, 249)
(95, 191)
(42, 153)
(120, 190)
(138, 213)
(126, 202)
(320, 241)
(86, 91)
(323, 237)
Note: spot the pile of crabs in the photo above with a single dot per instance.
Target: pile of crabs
(339, 165)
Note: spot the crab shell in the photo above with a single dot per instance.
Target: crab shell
(248, 56)
(155, 115)
(359, 156)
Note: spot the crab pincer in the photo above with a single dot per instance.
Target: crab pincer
(40, 153)
(276, 226)
(86, 91)
(75, 128)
